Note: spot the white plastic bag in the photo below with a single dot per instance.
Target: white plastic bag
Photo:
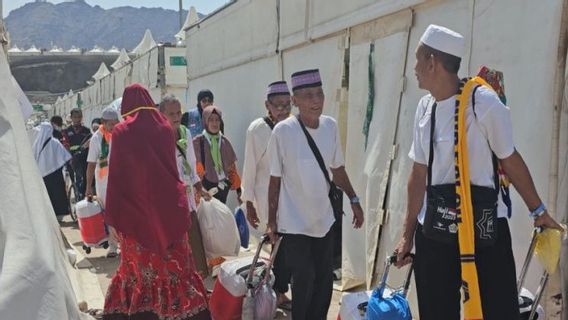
(231, 281)
(265, 303)
(218, 229)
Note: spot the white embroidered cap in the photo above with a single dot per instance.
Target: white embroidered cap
(444, 39)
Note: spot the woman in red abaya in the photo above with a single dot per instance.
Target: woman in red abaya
(147, 206)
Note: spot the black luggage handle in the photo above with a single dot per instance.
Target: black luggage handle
(390, 261)
(263, 240)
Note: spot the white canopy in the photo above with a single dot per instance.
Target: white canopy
(35, 272)
(74, 50)
(191, 18)
(122, 60)
(146, 44)
(102, 72)
(14, 49)
(113, 50)
(96, 50)
(33, 50)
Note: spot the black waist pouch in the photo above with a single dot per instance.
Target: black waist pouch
(441, 220)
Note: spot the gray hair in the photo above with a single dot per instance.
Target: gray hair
(168, 98)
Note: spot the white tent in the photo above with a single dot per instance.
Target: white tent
(33, 51)
(112, 51)
(335, 36)
(101, 73)
(191, 18)
(146, 44)
(55, 51)
(96, 50)
(14, 50)
(122, 60)
(35, 271)
(74, 50)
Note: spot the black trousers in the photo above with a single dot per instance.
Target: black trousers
(438, 278)
(281, 271)
(55, 186)
(311, 263)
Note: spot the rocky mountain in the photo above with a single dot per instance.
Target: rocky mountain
(76, 23)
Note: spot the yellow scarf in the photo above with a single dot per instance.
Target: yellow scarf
(466, 233)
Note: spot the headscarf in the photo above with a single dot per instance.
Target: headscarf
(146, 198)
(214, 139)
(49, 153)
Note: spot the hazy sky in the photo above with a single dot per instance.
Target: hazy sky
(202, 6)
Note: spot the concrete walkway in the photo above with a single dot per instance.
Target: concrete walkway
(96, 266)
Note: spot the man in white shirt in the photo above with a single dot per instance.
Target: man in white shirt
(170, 107)
(488, 131)
(256, 174)
(298, 196)
(97, 165)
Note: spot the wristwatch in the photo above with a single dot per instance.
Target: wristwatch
(354, 200)
(538, 211)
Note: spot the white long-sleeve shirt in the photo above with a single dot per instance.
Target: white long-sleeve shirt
(256, 171)
(193, 178)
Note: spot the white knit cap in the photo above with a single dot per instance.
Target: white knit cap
(109, 113)
(444, 39)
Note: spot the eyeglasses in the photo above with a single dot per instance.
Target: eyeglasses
(281, 106)
(206, 100)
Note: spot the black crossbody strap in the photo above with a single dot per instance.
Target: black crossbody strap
(431, 155)
(269, 122)
(315, 150)
(45, 144)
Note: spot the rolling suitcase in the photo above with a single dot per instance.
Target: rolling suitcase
(387, 303)
(92, 224)
(233, 283)
(529, 303)
(260, 301)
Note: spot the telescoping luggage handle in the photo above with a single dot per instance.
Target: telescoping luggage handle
(264, 240)
(524, 270)
(390, 261)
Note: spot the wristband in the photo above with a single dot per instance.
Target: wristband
(538, 211)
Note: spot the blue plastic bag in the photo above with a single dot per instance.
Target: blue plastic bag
(242, 226)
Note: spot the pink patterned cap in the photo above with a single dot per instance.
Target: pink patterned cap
(306, 79)
(277, 88)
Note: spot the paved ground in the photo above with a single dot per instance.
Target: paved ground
(104, 268)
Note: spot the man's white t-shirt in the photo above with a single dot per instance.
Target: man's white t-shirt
(93, 156)
(256, 168)
(304, 206)
(490, 130)
(188, 179)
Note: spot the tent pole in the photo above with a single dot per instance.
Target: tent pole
(553, 187)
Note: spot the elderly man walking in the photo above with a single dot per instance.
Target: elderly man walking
(170, 107)
(256, 175)
(305, 151)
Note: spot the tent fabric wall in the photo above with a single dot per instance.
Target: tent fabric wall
(369, 169)
(240, 107)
